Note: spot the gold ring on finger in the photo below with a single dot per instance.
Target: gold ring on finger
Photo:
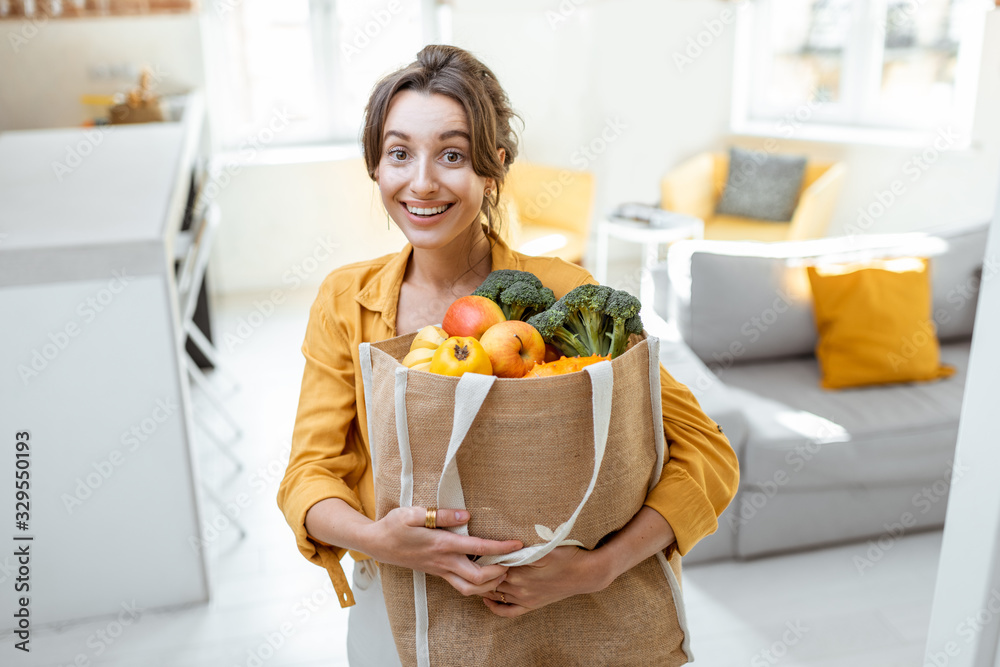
(430, 520)
(503, 599)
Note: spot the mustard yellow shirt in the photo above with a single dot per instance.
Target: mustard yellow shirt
(330, 451)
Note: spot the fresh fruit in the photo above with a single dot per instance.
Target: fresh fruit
(471, 316)
(425, 366)
(513, 347)
(429, 337)
(564, 365)
(416, 356)
(459, 355)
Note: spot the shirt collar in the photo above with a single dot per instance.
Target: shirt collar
(381, 294)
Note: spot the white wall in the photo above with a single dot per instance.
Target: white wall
(46, 67)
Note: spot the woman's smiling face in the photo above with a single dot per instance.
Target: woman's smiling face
(425, 171)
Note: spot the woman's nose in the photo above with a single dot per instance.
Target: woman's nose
(424, 179)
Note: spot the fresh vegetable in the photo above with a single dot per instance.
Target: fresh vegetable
(563, 366)
(460, 355)
(519, 294)
(590, 319)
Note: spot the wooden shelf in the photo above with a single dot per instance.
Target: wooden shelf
(19, 9)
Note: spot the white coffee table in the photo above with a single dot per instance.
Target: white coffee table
(666, 227)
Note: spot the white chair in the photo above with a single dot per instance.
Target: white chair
(193, 248)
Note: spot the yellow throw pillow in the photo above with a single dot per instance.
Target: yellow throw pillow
(874, 323)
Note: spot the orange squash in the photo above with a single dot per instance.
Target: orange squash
(564, 365)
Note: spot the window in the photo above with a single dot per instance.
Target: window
(298, 72)
(903, 65)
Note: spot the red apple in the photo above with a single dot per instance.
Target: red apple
(471, 316)
(513, 348)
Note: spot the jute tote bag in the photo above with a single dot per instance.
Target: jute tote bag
(548, 461)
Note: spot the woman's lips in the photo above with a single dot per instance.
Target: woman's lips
(420, 218)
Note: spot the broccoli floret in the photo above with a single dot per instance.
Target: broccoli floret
(550, 324)
(623, 309)
(590, 319)
(519, 294)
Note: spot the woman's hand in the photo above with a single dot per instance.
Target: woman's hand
(400, 538)
(564, 572)
(567, 571)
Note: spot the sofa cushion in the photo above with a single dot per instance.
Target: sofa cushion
(762, 185)
(736, 301)
(802, 436)
(955, 277)
(740, 300)
(873, 320)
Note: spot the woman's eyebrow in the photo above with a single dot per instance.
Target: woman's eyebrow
(454, 133)
(441, 137)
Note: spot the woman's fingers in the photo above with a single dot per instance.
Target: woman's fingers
(468, 588)
(505, 610)
(444, 518)
(475, 546)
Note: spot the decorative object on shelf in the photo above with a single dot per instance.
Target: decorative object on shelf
(89, 8)
(140, 104)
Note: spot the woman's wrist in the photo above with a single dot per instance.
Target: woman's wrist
(644, 536)
(338, 524)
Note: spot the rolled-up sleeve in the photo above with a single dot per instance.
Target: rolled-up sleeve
(700, 471)
(324, 461)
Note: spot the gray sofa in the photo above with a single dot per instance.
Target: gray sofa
(817, 466)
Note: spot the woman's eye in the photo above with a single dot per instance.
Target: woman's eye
(397, 154)
(452, 157)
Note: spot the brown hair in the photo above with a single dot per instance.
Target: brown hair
(455, 73)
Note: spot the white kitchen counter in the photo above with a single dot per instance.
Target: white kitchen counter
(90, 367)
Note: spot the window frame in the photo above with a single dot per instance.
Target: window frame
(855, 118)
(319, 141)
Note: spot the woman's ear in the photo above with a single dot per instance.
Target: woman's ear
(501, 155)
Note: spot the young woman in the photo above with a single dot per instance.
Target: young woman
(438, 142)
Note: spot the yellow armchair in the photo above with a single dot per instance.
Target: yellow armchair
(695, 187)
(548, 210)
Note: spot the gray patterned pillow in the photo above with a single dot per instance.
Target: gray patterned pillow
(761, 185)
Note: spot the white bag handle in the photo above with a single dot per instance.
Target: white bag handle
(467, 405)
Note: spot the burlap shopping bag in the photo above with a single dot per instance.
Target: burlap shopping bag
(548, 461)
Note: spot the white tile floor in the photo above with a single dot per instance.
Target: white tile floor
(271, 607)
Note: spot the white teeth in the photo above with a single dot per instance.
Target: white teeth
(426, 211)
